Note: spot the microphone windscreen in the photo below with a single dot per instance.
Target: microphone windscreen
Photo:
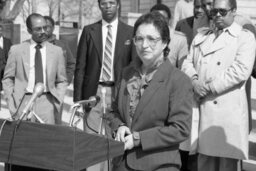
(97, 98)
(39, 89)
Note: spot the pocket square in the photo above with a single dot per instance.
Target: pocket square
(127, 42)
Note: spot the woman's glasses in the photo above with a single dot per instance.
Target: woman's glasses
(223, 12)
(139, 40)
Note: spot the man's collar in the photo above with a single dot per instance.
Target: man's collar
(234, 29)
(33, 43)
(113, 23)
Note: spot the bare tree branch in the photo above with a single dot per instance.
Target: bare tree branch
(11, 14)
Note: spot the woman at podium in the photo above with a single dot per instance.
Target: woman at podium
(154, 104)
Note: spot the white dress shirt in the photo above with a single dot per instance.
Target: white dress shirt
(31, 78)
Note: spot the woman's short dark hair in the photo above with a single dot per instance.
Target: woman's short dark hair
(160, 24)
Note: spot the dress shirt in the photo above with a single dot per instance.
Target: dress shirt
(31, 79)
(104, 36)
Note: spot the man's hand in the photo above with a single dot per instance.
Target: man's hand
(129, 143)
(200, 88)
(122, 132)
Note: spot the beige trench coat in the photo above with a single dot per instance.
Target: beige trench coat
(225, 63)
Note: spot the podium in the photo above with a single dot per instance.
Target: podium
(54, 147)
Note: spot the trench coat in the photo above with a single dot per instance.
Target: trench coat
(225, 63)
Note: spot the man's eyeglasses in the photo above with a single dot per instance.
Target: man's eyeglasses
(39, 29)
(106, 4)
(223, 12)
(139, 40)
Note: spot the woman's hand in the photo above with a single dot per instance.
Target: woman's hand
(129, 143)
(122, 132)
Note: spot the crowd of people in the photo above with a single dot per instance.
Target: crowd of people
(166, 90)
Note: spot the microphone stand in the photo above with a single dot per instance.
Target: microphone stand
(23, 114)
(102, 127)
(37, 117)
(73, 114)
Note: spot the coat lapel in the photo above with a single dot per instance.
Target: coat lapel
(49, 61)
(217, 44)
(120, 38)
(154, 85)
(25, 53)
(96, 34)
(190, 22)
(126, 104)
(210, 44)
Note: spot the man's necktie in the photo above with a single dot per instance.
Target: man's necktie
(39, 77)
(107, 60)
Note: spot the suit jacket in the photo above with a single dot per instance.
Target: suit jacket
(186, 26)
(225, 64)
(16, 74)
(70, 61)
(191, 25)
(178, 48)
(89, 57)
(3, 57)
(162, 117)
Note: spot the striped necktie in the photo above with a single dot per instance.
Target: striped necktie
(107, 60)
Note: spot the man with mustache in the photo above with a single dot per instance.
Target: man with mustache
(31, 62)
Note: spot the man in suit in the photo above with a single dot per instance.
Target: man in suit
(69, 58)
(219, 63)
(94, 50)
(183, 9)
(5, 45)
(31, 62)
(189, 25)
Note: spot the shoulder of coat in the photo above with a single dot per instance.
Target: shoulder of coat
(205, 30)
(179, 33)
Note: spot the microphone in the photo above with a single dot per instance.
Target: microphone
(37, 92)
(91, 102)
(102, 125)
(103, 92)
